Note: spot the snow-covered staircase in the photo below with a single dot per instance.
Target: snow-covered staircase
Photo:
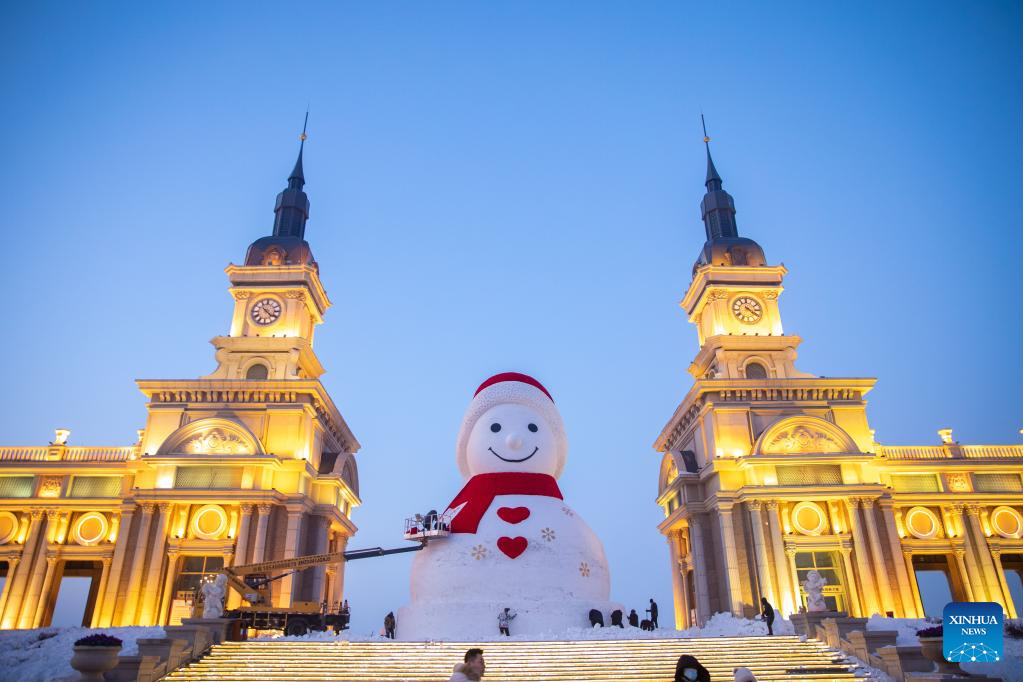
(641, 660)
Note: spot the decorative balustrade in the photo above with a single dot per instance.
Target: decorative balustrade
(98, 454)
(67, 454)
(951, 451)
(993, 451)
(30, 454)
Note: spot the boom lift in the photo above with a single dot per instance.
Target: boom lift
(252, 582)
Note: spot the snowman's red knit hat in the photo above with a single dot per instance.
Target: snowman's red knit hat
(521, 389)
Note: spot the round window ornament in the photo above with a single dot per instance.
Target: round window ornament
(809, 519)
(90, 529)
(1007, 522)
(8, 527)
(922, 523)
(209, 522)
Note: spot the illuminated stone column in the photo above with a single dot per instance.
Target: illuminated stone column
(12, 569)
(855, 608)
(683, 570)
(167, 594)
(318, 525)
(790, 555)
(912, 585)
(152, 598)
(241, 545)
(731, 559)
(101, 591)
(699, 570)
(676, 577)
(338, 586)
(28, 552)
(992, 585)
(263, 517)
(291, 539)
(763, 569)
(138, 560)
(781, 571)
(109, 598)
(39, 567)
(44, 594)
(880, 569)
(1010, 607)
(868, 592)
(895, 547)
(972, 569)
(960, 553)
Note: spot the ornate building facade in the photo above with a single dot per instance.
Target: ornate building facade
(768, 472)
(252, 462)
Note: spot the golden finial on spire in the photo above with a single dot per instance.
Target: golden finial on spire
(303, 136)
(706, 139)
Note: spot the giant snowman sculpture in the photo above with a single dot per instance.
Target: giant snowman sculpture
(514, 541)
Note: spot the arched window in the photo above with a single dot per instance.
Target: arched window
(755, 370)
(257, 372)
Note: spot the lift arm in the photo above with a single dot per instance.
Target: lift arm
(259, 594)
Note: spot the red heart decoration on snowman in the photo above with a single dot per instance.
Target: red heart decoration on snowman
(513, 514)
(512, 547)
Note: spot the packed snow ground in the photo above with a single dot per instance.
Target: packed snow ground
(45, 655)
(720, 625)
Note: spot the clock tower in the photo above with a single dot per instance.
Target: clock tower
(733, 299)
(278, 298)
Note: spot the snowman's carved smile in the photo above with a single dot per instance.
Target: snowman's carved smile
(505, 459)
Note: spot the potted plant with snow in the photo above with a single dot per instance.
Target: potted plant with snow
(931, 648)
(94, 655)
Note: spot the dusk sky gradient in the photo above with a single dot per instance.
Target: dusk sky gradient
(512, 186)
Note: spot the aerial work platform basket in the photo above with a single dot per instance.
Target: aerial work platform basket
(430, 525)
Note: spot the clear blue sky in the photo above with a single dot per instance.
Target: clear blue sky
(512, 186)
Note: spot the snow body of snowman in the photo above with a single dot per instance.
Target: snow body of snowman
(514, 541)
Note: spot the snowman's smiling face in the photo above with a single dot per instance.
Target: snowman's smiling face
(511, 437)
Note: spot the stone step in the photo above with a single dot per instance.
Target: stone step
(770, 658)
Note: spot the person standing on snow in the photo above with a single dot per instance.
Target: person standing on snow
(768, 614)
(633, 618)
(503, 619)
(653, 613)
(389, 625)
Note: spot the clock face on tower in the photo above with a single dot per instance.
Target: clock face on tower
(747, 309)
(266, 311)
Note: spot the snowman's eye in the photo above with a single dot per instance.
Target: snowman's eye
(495, 427)
(532, 427)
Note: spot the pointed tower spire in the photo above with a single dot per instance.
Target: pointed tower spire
(717, 207)
(292, 209)
(712, 172)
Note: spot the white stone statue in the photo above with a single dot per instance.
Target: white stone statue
(213, 597)
(813, 585)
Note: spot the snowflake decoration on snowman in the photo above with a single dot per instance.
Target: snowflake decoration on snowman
(511, 449)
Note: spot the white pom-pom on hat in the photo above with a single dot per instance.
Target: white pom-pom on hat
(520, 389)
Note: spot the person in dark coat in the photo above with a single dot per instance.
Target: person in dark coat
(596, 618)
(616, 618)
(389, 625)
(653, 613)
(768, 614)
(633, 618)
(688, 669)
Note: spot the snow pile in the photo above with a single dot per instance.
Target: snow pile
(45, 655)
(905, 627)
(1009, 668)
(720, 625)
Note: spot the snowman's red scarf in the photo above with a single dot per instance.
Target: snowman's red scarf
(480, 491)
